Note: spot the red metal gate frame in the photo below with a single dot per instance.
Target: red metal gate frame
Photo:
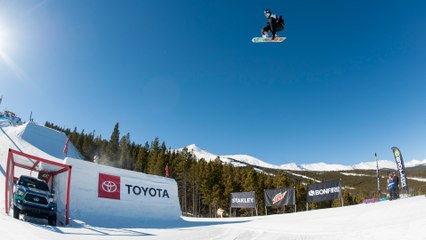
(11, 162)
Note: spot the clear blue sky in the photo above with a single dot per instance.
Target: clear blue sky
(349, 81)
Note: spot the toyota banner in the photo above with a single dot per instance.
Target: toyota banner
(280, 197)
(324, 191)
(243, 200)
(131, 189)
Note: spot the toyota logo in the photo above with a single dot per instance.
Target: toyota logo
(109, 186)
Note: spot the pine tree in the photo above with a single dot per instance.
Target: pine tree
(88, 147)
(73, 136)
(260, 187)
(124, 151)
(194, 179)
(134, 148)
(142, 158)
(152, 156)
(280, 181)
(113, 146)
(80, 141)
(250, 180)
(301, 196)
(160, 161)
(229, 184)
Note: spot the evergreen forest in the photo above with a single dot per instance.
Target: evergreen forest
(203, 186)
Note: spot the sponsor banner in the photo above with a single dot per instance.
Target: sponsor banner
(131, 189)
(109, 186)
(280, 197)
(243, 200)
(323, 191)
(401, 167)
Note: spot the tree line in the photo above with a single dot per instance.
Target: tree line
(203, 186)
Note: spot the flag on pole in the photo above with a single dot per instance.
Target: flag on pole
(167, 170)
(66, 146)
(378, 173)
(401, 167)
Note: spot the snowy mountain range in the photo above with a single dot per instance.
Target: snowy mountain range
(245, 160)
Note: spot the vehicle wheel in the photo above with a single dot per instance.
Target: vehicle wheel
(15, 212)
(52, 220)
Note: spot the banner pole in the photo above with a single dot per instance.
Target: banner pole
(341, 195)
(266, 207)
(378, 174)
(294, 198)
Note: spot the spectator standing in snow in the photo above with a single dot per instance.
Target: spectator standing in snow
(391, 187)
(396, 185)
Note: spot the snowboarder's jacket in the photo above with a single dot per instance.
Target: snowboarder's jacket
(396, 180)
(391, 183)
(276, 23)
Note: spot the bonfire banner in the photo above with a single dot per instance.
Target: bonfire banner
(323, 191)
(243, 200)
(280, 197)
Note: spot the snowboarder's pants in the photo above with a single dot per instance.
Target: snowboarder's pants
(277, 28)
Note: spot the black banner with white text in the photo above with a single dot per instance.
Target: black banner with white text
(243, 200)
(323, 191)
(401, 167)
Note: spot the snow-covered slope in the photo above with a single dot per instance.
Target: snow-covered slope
(243, 160)
(325, 167)
(373, 165)
(390, 220)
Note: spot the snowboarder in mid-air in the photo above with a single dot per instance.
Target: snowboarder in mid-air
(274, 25)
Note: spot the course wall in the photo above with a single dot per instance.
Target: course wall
(101, 195)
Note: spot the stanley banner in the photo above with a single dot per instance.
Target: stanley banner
(401, 168)
(280, 197)
(243, 200)
(323, 191)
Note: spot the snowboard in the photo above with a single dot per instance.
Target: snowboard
(268, 39)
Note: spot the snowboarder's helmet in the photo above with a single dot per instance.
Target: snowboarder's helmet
(267, 13)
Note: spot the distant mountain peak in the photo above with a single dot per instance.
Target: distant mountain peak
(245, 160)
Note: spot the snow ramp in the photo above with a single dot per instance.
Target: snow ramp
(111, 197)
(49, 141)
(100, 195)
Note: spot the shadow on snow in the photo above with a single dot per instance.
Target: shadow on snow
(127, 228)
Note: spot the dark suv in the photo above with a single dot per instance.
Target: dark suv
(33, 198)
